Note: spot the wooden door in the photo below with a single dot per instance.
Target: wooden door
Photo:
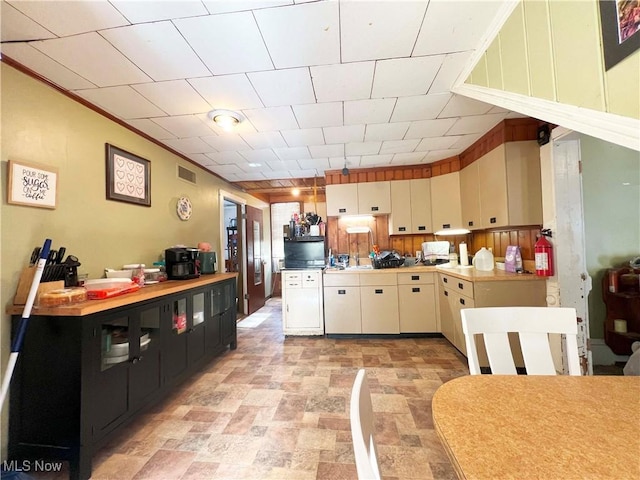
(255, 263)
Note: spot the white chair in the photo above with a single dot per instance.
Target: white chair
(364, 446)
(533, 324)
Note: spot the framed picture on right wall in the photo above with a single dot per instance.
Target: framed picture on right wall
(620, 22)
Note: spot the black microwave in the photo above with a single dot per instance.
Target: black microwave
(308, 253)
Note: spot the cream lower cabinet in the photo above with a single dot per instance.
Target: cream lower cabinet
(417, 303)
(379, 303)
(454, 295)
(302, 307)
(342, 313)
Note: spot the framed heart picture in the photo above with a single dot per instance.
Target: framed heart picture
(128, 177)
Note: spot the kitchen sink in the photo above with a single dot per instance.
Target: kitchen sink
(361, 267)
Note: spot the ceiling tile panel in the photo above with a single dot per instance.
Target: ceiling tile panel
(465, 141)
(226, 143)
(69, 17)
(403, 77)
(386, 131)
(408, 158)
(350, 81)
(399, 146)
(319, 115)
(225, 170)
(93, 58)
(184, 126)
(188, 145)
(303, 137)
(309, 173)
(367, 161)
(296, 153)
(283, 87)
(460, 106)
(229, 43)
(339, 162)
(368, 111)
(16, 26)
(124, 102)
(452, 66)
(429, 128)
(311, 36)
(476, 124)
(375, 29)
(320, 164)
(176, 97)
(436, 155)
(200, 159)
(260, 140)
(436, 143)
(278, 175)
(363, 148)
(227, 6)
(261, 155)
(150, 128)
(230, 92)
(322, 151)
(141, 11)
(158, 49)
(283, 165)
(273, 118)
(423, 107)
(351, 133)
(225, 158)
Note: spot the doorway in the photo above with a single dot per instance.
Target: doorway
(232, 243)
(256, 291)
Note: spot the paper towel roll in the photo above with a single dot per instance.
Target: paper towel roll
(464, 256)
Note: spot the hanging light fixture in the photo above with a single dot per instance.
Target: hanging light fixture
(225, 119)
(345, 170)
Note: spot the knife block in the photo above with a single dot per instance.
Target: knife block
(24, 285)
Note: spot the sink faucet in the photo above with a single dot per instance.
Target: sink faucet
(356, 257)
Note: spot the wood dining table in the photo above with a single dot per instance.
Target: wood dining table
(540, 427)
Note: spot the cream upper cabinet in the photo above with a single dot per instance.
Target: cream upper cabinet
(446, 206)
(374, 198)
(470, 197)
(509, 185)
(410, 206)
(421, 205)
(342, 199)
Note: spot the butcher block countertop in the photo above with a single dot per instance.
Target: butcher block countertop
(148, 292)
(470, 274)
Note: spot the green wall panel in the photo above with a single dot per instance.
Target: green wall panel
(514, 54)
(538, 33)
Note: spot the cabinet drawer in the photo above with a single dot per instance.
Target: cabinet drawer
(311, 280)
(378, 279)
(292, 279)
(463, 287)
(415, 278)
(341, 280)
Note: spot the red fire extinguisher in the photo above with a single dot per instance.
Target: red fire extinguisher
(544, 254)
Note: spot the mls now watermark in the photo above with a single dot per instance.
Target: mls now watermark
(31, 466)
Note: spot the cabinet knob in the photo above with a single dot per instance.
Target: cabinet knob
(462, 301)
(415, 277)
(445, 280)
(379, 290)
(421, 228)
(446, 294)
(460, 286)
(446, 225)
(493, 220)
(415, 289)
(402, 229)
(374, 209)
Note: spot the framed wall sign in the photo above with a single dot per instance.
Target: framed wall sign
(128, 177)
(620, 20)
(32, 184)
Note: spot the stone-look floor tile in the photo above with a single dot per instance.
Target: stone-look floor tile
(389, 403)
(273, 458)
(291, 408)
(281, 438)
(200, 471)
(165, 464)
(314, 439)
(262, 398)
(191, 442)
(118, 466)
(336, 471)
(241, 421)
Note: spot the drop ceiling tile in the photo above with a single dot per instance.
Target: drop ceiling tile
(512, 114)
(460, 106)
(319, 115)
(141, 12)
(225, 158)
(226, 6)
(225, 143)
(436, 155)
(283, 87)
(407, 158)
(230, 92)
(449, 27)
(386, 131)
(176, 97)
(248, 177)
(184, 126)
(475, 124)
(296, 153)
(224, 170)
(38, 62)
(422, 107)
(374, 29)
(325, 151)
(465, 141)
(93, 58)
(261, 155)
(399, 146)
(351, 81)
(64, 17)
(436, 143)
(429, 128)
(303, 137)
(278, 175)
(15, 25)
(123, 102)
(363, 148)
(495, 109)
(188, 145)
(375, 160)
(368, 111)
(351, 133)
(283, 165)
(228, 43)
(311, 35)
(200, 159)
(272, 118)
(158, 49)
(404, 77)
(310, 173)
(260, 140)
(452, 66)
(320, 164)
(150, 128)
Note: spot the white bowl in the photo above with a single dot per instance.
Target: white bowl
(118, 273)
(104, 283)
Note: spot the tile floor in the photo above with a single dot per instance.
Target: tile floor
(278, 408)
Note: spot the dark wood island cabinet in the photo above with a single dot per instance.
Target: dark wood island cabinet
(87, 369)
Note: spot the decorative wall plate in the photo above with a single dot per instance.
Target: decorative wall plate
(184, 208)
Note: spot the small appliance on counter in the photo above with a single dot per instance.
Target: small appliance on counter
(208, 262)
(182, 263)
(307, 253)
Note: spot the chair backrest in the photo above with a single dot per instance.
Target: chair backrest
(533, 326)
(364, 447)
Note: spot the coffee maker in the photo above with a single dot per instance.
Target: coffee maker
(182, 263)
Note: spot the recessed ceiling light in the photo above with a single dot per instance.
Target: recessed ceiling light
(225, 119)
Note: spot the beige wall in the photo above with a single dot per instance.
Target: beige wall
(43, 126)
(551, 50)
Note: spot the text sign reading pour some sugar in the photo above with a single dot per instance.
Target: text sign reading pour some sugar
(32, 184)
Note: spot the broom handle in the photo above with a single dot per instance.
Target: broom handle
(16, 346)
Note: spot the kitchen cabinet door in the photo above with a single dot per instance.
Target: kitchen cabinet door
(524, 185)
(374, 198)
(342, 312)
(379, 306)
(492, 174)
(446, 208)
(342, 199)
(446, 313)
(400, 221)
(417, 308)
(421, 205)
(470, 197)
(302, 302)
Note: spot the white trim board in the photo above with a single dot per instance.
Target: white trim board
(612, 128)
